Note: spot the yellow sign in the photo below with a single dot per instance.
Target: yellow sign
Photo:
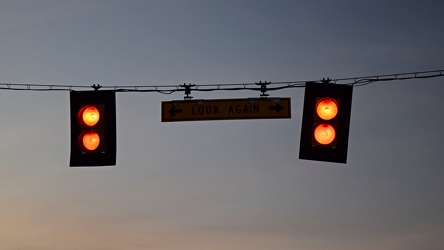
(226, 109)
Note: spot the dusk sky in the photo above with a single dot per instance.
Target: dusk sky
(222, 185)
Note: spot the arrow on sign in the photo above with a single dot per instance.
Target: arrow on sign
(277, 107)
(173, 111)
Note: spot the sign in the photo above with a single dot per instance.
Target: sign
(226, 109)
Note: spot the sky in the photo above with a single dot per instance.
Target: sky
(222, 184)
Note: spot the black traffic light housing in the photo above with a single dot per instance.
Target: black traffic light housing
(335, 148)
(93, 128)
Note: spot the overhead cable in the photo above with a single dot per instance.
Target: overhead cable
(254, 86)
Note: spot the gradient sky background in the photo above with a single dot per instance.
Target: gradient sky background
(222, 184)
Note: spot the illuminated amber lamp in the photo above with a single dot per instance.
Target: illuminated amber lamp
(90, 140)
(90, 115)
(324, 134)
(327, 108)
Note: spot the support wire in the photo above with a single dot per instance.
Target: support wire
(254, 86)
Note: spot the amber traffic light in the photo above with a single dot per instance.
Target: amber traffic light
(90, 115)
(326, 122)
(327, 108)
(93, 128)
(324, 134)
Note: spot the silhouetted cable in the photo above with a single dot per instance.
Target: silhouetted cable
(253, 86)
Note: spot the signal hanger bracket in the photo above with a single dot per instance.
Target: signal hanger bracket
(328, 80)
(263, 88)
(187, 90)
(96, 87)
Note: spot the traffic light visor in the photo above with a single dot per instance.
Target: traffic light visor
(327, 108)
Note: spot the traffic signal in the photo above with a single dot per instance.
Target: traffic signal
(326, 122)
(93, 128)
